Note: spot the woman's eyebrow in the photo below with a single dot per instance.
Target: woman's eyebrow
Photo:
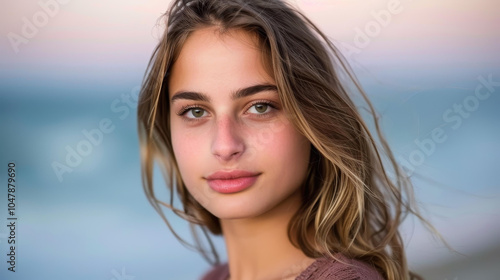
(240, 93)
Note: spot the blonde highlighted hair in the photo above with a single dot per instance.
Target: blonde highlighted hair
(350, 202)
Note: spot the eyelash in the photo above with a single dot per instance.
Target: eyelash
(185, 109)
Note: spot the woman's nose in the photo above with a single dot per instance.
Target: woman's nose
(227, 142)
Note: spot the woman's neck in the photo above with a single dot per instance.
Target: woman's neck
(259, 248)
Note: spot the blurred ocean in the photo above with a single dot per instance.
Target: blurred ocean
(92, 220)
(97, 220)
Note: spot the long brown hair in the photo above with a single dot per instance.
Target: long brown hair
(349, 200)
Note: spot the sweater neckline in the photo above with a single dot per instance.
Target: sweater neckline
(302, 276)
(310, 269)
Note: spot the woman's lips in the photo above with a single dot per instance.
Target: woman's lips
(232, 185)
(231, 181)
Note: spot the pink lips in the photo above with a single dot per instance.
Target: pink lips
(231, 181)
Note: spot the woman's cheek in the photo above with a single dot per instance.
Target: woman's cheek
(187, 149)
(261, 136)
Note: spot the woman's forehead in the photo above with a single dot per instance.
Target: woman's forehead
(230, 38)
(209, 59)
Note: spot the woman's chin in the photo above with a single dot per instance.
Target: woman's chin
(231, 211)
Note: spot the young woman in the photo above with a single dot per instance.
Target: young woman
(247, 107)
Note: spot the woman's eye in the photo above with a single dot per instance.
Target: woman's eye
(195, 113)
(260, 108)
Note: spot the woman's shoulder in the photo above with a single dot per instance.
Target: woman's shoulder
(341, 267)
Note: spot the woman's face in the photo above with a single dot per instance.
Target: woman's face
(226, 116)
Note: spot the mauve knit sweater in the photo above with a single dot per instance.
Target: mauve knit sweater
(321, 269)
